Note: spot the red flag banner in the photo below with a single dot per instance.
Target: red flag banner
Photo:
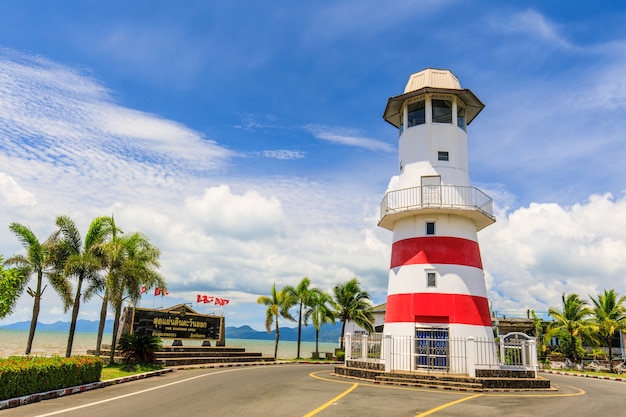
(143, 289)
(160, 291)
(201, 298)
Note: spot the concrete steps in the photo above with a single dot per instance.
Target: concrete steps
(198, 355)
(491, 380)
(440, 382)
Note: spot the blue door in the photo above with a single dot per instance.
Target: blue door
(431, 348)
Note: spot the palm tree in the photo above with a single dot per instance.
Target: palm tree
(278, 305)
(99, 284)
(39, 260)
(137, 266)
(81, 260)
(320, 311)
(572, 319)
(353, 303)
(11, 287)
(301, 295)
(609, 316)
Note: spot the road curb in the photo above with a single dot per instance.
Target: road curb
(608, 378)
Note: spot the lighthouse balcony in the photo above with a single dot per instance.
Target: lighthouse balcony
(436, 199)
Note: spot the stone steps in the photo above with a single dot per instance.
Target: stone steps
(441, 383)
(490, 381)
(178, 361)
(197, 355)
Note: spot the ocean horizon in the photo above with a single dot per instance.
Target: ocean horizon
(50, 343)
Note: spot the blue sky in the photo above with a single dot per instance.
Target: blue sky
(246, 139)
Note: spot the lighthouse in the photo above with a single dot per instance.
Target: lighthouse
(436, 290)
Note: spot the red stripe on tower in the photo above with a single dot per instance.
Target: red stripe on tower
(436, 250)
(438, 308)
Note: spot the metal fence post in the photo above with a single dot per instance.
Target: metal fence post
(387, 354)
(470, 356)
(364, 346)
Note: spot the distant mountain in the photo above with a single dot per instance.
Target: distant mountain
(328, 333)
(86, 326)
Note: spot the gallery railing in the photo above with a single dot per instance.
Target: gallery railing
(436, 196)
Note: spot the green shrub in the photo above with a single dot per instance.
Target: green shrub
(26, 375)
(139, 348)
(341, 355)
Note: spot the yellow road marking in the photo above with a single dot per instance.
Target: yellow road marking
(441, 407)
(331, 402)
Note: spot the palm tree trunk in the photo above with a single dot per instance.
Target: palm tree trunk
(299, 329)
(70, 336)
(608, 343)
(276, 342)
(317, 336)
(36, 308)
(103, 318)
(118, 312)
(343, 332)
(33, 324)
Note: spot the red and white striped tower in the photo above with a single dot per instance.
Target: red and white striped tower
(436, 280)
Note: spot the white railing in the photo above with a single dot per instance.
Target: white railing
(436, 196)
(455, 356)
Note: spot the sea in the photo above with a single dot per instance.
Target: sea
(46, 343)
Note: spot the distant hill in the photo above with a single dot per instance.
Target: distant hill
(328, 333)
(86, 326)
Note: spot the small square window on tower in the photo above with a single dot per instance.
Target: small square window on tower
(430, 228)
(443, 156)
(431, 279)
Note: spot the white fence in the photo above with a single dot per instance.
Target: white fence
(450, 355)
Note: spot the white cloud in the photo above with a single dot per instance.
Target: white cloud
(12, 195)
(348, 137)
(531, 23)
(283, 154)
(538, 252)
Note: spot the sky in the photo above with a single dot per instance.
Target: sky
(246, 139)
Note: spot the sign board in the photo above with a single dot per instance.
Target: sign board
(178, 322)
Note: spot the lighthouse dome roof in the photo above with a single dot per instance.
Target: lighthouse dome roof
(432, 81)
(434, 78)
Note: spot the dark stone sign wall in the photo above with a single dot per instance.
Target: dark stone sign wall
(178, 322)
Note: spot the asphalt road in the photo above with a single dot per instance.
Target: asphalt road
(311, 390)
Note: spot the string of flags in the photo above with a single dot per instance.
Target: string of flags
(210, 299)
(201, 298)
(157, 291)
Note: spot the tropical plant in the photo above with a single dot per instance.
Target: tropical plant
(41, 261)
(11, 286)
(572, 318)
(320, 310)
(139, 349)
(108, 255)
(278, 305)
(609, 315)
(353, 304)
(136, 266)
(81, 260)
(301, 295)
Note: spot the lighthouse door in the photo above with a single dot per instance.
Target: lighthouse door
(431, 348)
(431, 191)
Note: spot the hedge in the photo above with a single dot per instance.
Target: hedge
(24, 375)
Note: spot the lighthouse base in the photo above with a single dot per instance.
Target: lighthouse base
(432, 349)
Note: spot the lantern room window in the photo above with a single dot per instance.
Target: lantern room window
(442, 111)
(417, 113)
(460, 117)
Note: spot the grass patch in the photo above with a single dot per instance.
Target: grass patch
(119, 371)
